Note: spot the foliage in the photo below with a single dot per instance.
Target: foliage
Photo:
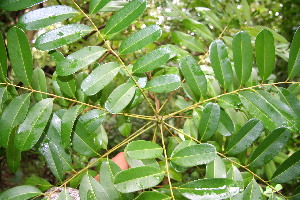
(200, 116)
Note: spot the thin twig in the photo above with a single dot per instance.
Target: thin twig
(166, 160)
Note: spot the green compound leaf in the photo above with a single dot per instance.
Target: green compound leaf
(67, 123)
(270, 147)
(190, 128)
(43, 17)
(20, 192)
(242, 56)
(213, 188)
(64, 195)
(282, 108)
(245, 136)
(37, 181)
(216, 169)
(51, 152)
(99, 78)
(163, 83)
(33, 126)
(142, 149)
(151, 60)
(188, 41)
(194, 155)
(294, 58)
(66, 84)
(90, 187)
(221, 63)
(57, 56)
(3, 59)
(150, 195)
(13, 155)
(13, 5)
(108, 171)
(229, 101)
(262, 110)
(39, 83)
(140, 39)
(226, 125)
(252, 191)
(61, 36)
(198, 28)
(209, 121)
(79, 59)
(96, 5)
(125, 16)
(288, 170)
(138, 178)
(120, 98)
(13, 115)
(265, 53)
(210, 16)
(84, 141)
(20, 55)
(193, 75)
(234, 174)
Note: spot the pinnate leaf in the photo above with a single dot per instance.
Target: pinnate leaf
(188, 41)
(39, 83)
(216, 169)
(198, 28)
(90, 187)
(120, 98)
(194, 76)
(67, 123)
(209, 121)
(125, 16)
(213, 188)
(140, 39)
(138, 178)
(270, 147)
(79, 59)
(20, 55)
(64, 195)
(262, 110)
(99, 78)
(61, 36)
(242, 56)
(265, 53)
(151, 60)
(194, 155)
(221, 63)
(163, 83)
(3, 59)
(96, 5)
(245, 136)
(142, 149)
(32, 128)
(149, 195)
(13, 115)
(84, 140)
(13, 155)
(43, 17)
(20, 192)
(108, 171)
(226, 125)
(12, 5)
(252, 191)
(288, 170)
(294, 57)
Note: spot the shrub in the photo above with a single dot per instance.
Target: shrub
(199, 115)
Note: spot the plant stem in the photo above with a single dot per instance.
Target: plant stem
(166, 160)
